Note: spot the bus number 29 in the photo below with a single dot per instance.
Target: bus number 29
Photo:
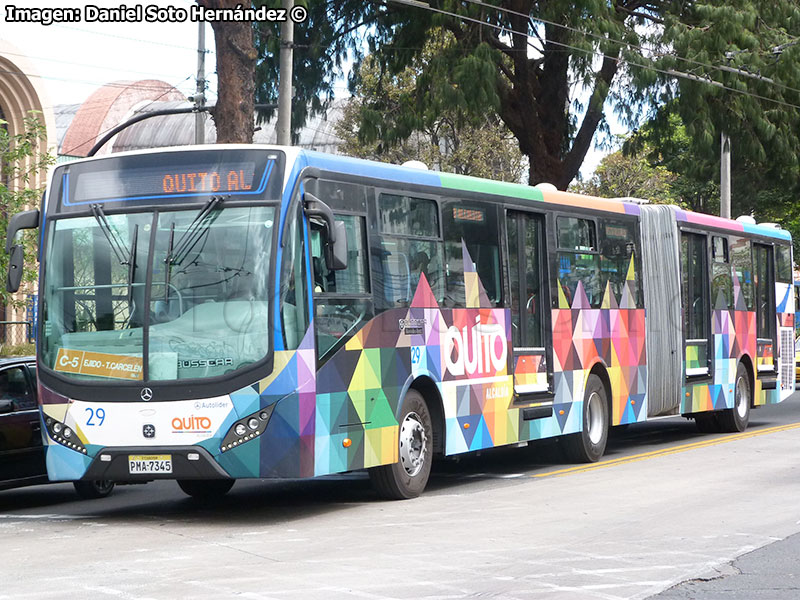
(415, 355)
(95, 415)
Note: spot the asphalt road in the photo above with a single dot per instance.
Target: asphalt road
(666, 505)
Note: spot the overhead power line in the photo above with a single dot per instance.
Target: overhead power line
(670, 72)
(86, 65)
(125, 37)
(743, 72)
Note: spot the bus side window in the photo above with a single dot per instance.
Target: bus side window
(341, 298)
(721, 281)
(742, 256)
(410, 247)
(618, 261)
(294, 296)
(783, 264)
(578, 259)
(473, 226)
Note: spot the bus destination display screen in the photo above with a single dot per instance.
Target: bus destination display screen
(165, 181)
(160, 177)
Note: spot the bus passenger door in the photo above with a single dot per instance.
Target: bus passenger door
(763, 260)
(696, 307)
(529, 305)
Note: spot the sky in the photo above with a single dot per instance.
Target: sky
(74, 59)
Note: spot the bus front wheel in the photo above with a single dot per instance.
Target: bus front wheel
(91, 490)
(408, 477)
(589, 444)
(206, 489)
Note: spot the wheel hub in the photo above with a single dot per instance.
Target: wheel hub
(413, 444)
(595, 418)
(741, 398)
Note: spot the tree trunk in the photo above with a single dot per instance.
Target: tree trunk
(236, 63)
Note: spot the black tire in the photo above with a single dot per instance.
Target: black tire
(707, 422)
(91, 490)
(589, 444)
(408, 477)
(206, 489)
(736, 419)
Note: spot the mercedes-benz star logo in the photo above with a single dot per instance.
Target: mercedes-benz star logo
(148, 431)
(147, 394)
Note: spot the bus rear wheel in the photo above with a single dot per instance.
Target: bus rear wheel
(589, 444)
(736, 419)
(206, 489)
(408, 477)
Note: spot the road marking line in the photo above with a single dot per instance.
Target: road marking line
(47, 516)
(668, 451)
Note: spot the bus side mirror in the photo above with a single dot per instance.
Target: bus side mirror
(336, 244)
(15, 263)
(28, 219)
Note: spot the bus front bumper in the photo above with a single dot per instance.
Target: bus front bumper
(138, 463)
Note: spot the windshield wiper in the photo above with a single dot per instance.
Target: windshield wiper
(125, 256)
(122, 253)
(132, 263)
(187, 241)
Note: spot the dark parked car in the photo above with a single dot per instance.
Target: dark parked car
(21, 452)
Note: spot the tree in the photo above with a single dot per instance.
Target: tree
(322, 42)
(448, 139)
(554, 69)
(236, 62)
(21, 158)
(546, 67)
(630, 176)
(743, 57)
(695, 174)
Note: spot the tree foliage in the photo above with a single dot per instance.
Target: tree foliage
(743, 55)
(332, 32)
(695, 179)
(630, 176)
(557, 71)
(21, 159)
(547, 67)
(554, 70)
(447, 139)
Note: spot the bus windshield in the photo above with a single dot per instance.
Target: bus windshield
(196, 306)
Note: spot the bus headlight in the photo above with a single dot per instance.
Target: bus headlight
(247, 428)
(63, 435)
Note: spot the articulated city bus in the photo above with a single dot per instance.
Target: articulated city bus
(222, 312)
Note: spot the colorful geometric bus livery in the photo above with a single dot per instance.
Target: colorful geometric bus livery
(355, 395)
(335, 402)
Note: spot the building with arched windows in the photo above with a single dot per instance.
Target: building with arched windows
(21, 96)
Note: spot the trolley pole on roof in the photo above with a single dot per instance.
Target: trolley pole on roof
(200, 94)
(284, 128)
(725, 177)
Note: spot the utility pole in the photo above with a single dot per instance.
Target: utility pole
(284, 129)
(200, 94)
(725, 176)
